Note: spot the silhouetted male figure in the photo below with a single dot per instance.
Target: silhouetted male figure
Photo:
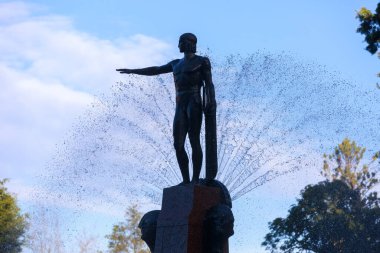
(190, 74)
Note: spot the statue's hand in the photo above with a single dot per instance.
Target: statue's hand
(125, 71)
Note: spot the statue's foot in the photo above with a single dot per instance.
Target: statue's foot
(184, 183)
(195, 181)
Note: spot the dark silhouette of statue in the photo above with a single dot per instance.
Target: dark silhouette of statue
(148, 227)
(218, 227)
(217, 222)
(190, 73)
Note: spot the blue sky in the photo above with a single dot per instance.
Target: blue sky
(316, 30)
(58, 56)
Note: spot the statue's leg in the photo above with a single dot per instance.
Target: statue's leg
(180, 126)
(194, 113)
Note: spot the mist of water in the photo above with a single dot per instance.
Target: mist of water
(276, 115)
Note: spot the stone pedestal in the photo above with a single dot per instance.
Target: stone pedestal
(181, 220)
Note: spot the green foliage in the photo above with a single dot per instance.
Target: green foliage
(329, 217)
(370, 28)
(336, 215)
(376, 156)
(125, 236)
(12, 223)
(345, 165)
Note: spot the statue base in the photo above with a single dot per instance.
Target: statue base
(195, 218)
(180, 223)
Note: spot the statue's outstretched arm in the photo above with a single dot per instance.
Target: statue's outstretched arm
(150, 71)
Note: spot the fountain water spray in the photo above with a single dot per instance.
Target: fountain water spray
(276, 115)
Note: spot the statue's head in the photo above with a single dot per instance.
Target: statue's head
(221, 221)
(148, 226)
(187, 43)
(219, 226)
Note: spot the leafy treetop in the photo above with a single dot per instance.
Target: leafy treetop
(126, 236)
(12, 223)
(329, 217)
(370, 28)
(345, 164)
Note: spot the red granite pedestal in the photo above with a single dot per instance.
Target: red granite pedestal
(180, 223)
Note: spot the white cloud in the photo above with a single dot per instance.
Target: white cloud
(51, 49)
(16, 10)
(49, 72)
(33, 115)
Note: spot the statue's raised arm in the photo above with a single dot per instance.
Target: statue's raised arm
(150, 71)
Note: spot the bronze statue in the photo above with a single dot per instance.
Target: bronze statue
(190, 74)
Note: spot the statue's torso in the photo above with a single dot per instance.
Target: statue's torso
(188, 74)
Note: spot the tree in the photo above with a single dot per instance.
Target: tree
(336, 215)
(13, 224)
(125, 236)
(44, 235)
(329, 217)
(87, 243)
(370, 28)
(345, 164)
